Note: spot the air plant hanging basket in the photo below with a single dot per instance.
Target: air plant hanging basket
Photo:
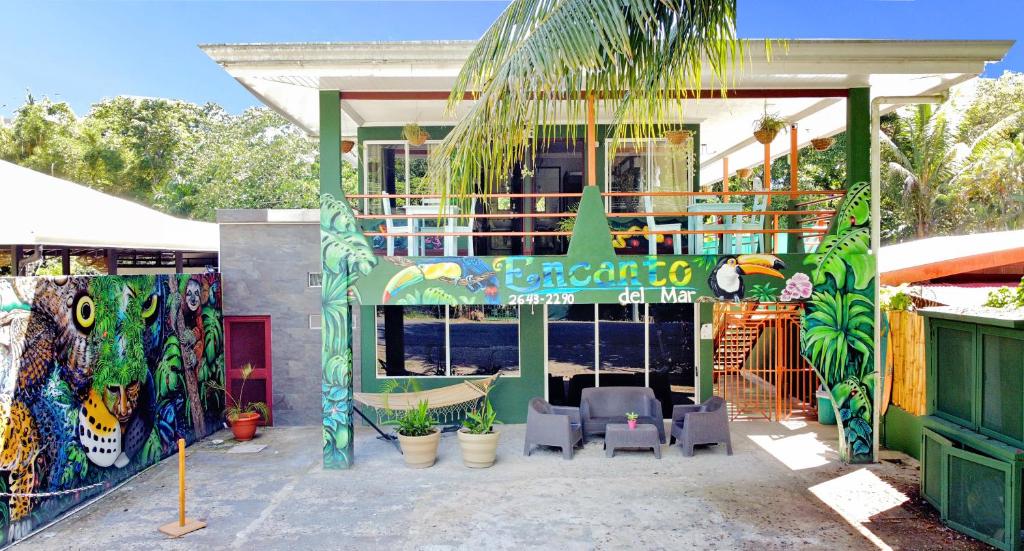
(767, 127)
(822, 144)
(347, 145)
(414, 134)
(744, 173)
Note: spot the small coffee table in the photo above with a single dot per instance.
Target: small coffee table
(618, 435)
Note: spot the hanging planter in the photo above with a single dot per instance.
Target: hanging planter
(678, 137)
(767, 127)
(822, 144)
(414, 134)
(744, 173)
(347, 145)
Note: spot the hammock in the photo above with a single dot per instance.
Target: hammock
(447, 402)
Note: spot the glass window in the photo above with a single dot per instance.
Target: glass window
(570, 352)
(411, 341)
(621, 344)
(670, 349)
(484, 340)
(385, 171)
(462, 341)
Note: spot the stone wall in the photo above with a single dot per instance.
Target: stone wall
(266, 257)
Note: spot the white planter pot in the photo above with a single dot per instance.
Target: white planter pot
(478, 450)
(420, 452)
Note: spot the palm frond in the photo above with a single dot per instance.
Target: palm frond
(538, 64)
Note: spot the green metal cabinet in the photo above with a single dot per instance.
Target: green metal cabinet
(971, 459)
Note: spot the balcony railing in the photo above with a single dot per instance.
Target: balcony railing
(805, 218)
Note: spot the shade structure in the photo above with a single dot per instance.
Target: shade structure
(44, 210)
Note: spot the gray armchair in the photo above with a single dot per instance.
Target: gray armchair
(605, 405)
(548, 425)
(706, 423)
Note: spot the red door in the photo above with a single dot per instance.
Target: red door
(247, 341)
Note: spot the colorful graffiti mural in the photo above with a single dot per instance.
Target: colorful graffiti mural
(99, 377)
(838, 336)
(346, 254)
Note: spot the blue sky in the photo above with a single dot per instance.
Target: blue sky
(84, 51)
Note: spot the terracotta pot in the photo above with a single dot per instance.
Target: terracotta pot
(421, 139)
(765, 136)
(244, 426)
(347, 145)
(822, 144)
(677, 137)
(478, 450)
(420, 452)
(744, 173)
(631, 423)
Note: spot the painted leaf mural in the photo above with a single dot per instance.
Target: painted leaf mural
(838, 327)
(345, 254)
(95, 383)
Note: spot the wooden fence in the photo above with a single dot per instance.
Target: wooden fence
(905, 361)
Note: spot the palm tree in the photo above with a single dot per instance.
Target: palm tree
(931, 164)
(541, 60)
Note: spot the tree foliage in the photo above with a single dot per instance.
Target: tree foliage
(179, 157)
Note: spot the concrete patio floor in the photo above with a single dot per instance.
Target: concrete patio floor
(775, 492)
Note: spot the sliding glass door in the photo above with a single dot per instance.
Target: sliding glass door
(621, 345)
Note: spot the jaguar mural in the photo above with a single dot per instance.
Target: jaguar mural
(99, 377)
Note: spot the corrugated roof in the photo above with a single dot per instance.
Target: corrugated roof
(935, 257)
(44, 210)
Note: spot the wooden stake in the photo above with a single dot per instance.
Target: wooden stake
(183, 525)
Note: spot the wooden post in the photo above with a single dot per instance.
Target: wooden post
(111, 262)
(794, 162)
(183, 525)
(591, 142)
(15, 260)
(65, 261)
(725, 179)
(179, 262)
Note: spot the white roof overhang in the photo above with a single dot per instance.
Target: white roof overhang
(287, 77)
(44, 210)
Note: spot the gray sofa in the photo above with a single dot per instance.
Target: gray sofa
(548, 425)
(602, 406)
(705, 423)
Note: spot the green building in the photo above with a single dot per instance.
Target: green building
(602, 262)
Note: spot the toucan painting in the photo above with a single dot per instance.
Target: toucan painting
(726, 280)
(469, 272)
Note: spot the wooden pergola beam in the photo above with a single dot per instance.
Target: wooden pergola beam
(758, 93)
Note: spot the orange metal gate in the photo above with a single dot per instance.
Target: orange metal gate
(758, 367)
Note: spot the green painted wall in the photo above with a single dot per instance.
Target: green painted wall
(902, 431)
(706, 351)
(512, 393)
(858, 136)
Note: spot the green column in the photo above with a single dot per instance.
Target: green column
(706, 350)
(345, 255)
(858, 136)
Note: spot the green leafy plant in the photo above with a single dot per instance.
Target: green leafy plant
(896, 299)
(770, 122)
(1005, 297)
(236, 407)
(568, 223)
(765, 292)
(632, 416)
(414, 422)
(839, 333)
(482, 419)
(413, 133)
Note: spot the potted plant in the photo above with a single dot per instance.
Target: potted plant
(242, 417)
(678, 137)
(417, 436)
(631, 418)
(477, 437)
(414, 134)
(744, 173)
(767, 127)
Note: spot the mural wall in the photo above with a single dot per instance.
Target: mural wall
(99, 377)
(838, 337)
